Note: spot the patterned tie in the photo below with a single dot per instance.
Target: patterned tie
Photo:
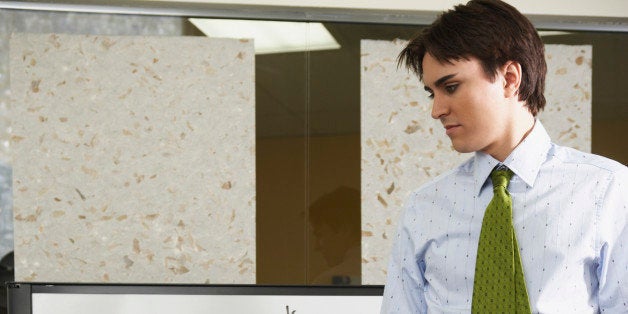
(499, 285)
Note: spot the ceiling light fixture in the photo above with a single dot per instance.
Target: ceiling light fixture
(271, 36)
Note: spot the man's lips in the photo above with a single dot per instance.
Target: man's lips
(450, 128)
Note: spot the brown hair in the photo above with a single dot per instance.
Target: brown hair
(492, 31)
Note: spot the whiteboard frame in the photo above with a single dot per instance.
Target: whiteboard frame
(21, 295)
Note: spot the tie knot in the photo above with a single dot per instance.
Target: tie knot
(501, 177)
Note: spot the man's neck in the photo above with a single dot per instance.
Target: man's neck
(522, 125)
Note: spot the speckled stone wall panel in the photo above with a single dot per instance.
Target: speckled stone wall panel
(25, 21)
(403, 147)
(134, 159)
(567, 115)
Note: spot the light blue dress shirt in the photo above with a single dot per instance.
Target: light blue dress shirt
(569, 214)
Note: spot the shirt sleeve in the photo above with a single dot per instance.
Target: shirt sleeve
(404, 291)
(613, 232)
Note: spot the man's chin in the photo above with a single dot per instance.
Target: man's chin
(462, 148)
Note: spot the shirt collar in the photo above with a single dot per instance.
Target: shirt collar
(525, 160)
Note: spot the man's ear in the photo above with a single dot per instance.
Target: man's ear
(512, 78)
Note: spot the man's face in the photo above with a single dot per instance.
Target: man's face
(473, 109)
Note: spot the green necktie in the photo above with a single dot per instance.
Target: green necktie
(499, 285)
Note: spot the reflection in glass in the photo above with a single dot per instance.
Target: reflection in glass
(335, 224)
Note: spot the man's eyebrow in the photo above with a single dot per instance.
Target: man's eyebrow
(441, 81)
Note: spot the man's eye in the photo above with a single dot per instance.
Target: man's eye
(451, 88)
(430, 96)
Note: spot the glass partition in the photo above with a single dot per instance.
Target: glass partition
(307, 126)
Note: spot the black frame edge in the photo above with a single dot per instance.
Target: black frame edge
(19, 299)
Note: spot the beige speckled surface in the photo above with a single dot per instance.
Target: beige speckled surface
(134, 159)
(567, 115)
(403, 147)
(32, 21)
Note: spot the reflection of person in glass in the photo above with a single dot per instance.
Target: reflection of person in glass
(335, 222)
(524, 225)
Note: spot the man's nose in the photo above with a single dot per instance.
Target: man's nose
(439, 107)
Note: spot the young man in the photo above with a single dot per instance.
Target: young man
(525, 225)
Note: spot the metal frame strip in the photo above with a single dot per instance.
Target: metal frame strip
(305, 14)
